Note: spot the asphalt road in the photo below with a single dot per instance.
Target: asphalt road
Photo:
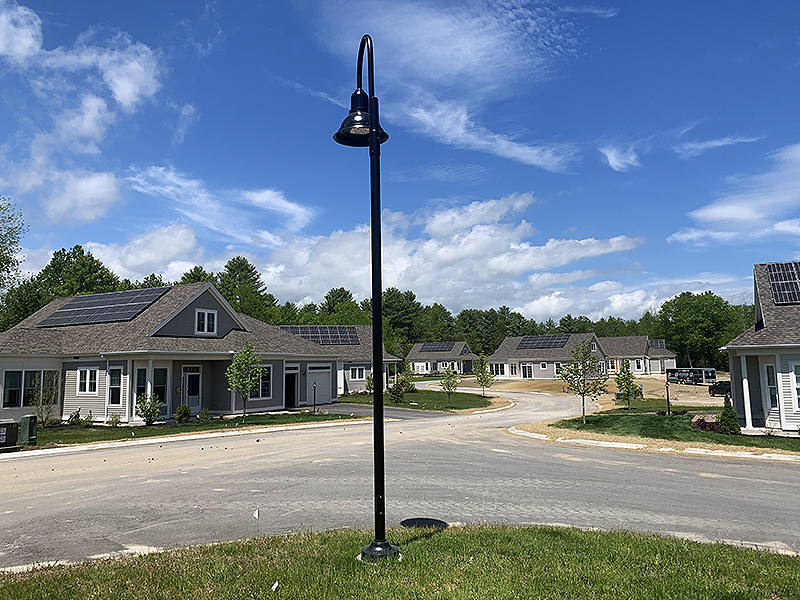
(456, 468)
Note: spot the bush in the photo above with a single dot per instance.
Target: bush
(728, 424)
(148, 408)
(396, 393)
(203, 416)
(183, 413)
(114, 420)
(369, 384)
(88, 420)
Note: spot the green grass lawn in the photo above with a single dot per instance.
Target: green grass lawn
(675, 427)
(656, 404)
(84, 435)
(428, 400)
(486, 563)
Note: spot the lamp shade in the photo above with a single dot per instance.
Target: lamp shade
(354, 130)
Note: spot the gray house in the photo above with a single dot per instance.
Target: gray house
(100, 352)
(765, 359)
(352, 345)
(645, 356)
(539, 356)
(435, 357)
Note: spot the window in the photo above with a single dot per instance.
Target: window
(558, 368)
(772, 386)
(796, 369)
(497, 368)
(115, 386)
(356, 373)
(12, 389)
(512, 369)
(32, 388)
(87, 381)
(527, 371)
(264, 385)
(205, 322)
(638, 364)
(160, 384)
(543, 366)
(594, 347)
(612, 364)
(141, 382)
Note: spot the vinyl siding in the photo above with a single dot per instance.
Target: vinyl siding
(94, 402)
(791, 412)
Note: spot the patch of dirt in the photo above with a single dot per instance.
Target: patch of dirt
(652, 386)
(495, 403)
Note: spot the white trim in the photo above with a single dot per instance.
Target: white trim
(542, 366)
(206, 312)
(748, 416)
(108, 387)
(87, 392)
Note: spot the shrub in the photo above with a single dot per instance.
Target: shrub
(183, 413)
(114, 420)
(88, 420)
(203, 416)
(369, 384)
(148, 408)
(396, 393)
(728, 424)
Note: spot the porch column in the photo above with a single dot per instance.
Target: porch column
(778, 375)
(748, 417)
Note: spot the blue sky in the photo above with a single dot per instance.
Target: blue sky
(554, 157)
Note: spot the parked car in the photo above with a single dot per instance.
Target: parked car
(720, 388)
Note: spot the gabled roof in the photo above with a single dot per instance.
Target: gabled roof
(459, 351)
(509, 349)
(632, 346)
(133, 336)
(776, 324)
(362, 351)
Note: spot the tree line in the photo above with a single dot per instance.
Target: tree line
(693, 325)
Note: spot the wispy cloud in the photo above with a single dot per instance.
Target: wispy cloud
(597, 11)
(188, 117)
(756, 206)
(441, 173)
(692, 149)
(620, 159)
(483, 52)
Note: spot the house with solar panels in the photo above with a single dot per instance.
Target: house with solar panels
(539, 356)
(765, 360)
(101, 352)
(352, 345)
(435, 357)
(643, 355)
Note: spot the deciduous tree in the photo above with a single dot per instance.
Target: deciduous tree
(244, 374)
(583, 375)
(483, 376)
(626, 382)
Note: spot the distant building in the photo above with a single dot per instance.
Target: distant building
(435, 357)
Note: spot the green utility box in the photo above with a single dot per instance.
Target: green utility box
(27, 430)
(8, 436)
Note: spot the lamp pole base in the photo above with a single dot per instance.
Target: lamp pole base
(378, 550)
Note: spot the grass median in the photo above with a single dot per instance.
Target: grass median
(456, 563)
(671, 428)
(428, 400)
(66, 435)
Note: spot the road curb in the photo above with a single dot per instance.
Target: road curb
(790, 458)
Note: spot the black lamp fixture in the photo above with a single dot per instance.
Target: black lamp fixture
(362, 129)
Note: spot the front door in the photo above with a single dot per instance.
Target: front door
(191, 387)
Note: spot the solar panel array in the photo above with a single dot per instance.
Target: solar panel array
(437, 346)
(784, 279)
(540, 342)
(657, 344)
(326, 335)
(103, 308)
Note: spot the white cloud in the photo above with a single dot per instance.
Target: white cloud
(757, 205)
(235, 214)
(597, 11)
(20, 32)
(166, 251)
(81, 196)
(188, 117)
(620, 159)
(520, 44)
(692, 149)
(540, 281)
(605, 287)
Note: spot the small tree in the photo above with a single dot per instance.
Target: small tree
(625, 381)
(483, 376)
(450, 381)
(407, 378)
(148, 408)
(583, 375)
(369, 383)
(47, 402)
(244, 374)
(728, 424)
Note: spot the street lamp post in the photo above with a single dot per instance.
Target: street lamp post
(361, 128)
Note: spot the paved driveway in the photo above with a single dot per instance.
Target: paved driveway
(457, 468)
